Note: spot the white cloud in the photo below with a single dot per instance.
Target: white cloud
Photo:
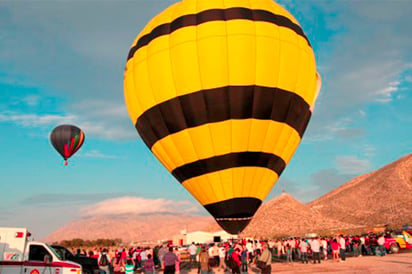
(31, 100)
(387, 93)
(54, 199)
(35, 120)
(362, 113)
(138, 205)
(338, 128)
(408, 79)
(352, 164)
(96, 154)
(369, 151)
(94, 125)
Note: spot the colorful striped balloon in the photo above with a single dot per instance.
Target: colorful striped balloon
(221, 92)
(67, 139)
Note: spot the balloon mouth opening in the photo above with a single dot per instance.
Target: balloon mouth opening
(233, 226)
(233, 215)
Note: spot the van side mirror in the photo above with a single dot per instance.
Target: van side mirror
(47, 259)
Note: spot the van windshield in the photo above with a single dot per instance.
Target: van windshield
(56, 252)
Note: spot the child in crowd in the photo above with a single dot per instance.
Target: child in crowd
(129, 267)
(148, 265)
(335, 249)
(288, 254)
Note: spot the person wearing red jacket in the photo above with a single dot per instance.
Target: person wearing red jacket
(236, 257)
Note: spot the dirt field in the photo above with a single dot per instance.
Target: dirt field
(396, 263)
(392, 263)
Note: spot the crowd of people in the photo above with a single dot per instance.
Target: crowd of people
(236, 256)
(337, 248)
(132, 260)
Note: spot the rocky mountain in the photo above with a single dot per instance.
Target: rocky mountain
(286, 216)
(383, 196)
(132, 228)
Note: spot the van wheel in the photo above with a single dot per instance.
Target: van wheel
(394, 248)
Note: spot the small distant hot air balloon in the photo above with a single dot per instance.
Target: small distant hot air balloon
(221, 91)
(67, 139)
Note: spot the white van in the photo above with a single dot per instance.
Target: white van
(20, 256)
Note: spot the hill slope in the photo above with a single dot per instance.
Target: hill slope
(286, 216)
(380, 197)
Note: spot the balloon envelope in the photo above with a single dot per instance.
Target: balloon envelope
(221, 93)
(67, 139)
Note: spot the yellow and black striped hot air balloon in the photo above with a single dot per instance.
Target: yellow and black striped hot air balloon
(221, 91)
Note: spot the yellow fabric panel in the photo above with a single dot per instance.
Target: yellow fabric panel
(238, 175)
(167, 152)
(267, 55)
(288, 153)
(143, 86)
(282, 140)
(130, 98)
(213, 65)
(160, 75)
(220, 133)
(214, 139)
(250, 183)
(306, 84)
(202, 141)
(139, 90)
(303, 70)
(267, 181)
(210, 29)
(184, 58)
(202, 190)
(288, 66)
(163, 155)
(257, 134)
(243, 184)
(217, 187)
(259, 179)
(242, 59)
(185, 147)
(311, 86)
(138, 57)
(241, 134)
(226, 184)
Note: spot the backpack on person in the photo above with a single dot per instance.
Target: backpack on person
(103, 260)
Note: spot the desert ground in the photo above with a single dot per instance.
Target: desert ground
(392, 263)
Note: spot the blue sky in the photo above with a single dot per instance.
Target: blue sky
(62, 62)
